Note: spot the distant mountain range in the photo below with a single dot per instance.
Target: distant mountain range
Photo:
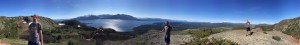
(124, 22)
(120, 17)
(106, 16)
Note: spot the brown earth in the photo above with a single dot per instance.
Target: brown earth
(4, 43)
(258, 37)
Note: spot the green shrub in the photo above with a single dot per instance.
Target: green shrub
(213, 41)
(204, 32)
(11, 30)
(201, 34)
(266, 28)
(222, 42)
(265, 32)
(293, 31)
(277, 38)
(70, 43)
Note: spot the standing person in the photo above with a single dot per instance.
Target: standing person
(248, 29)
(35, 30)
(99, 36)
(167, 29)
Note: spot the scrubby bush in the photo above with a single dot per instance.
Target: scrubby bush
(289, 26)
(277, 38)
(201, 34)
(212, 41)
(293, 30)
(266, 28)
(265, 32)
(204, 32)
(221, 42)
(11, 30)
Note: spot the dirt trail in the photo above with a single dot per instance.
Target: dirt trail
(175, 39)
(158, 39)
(258, 37)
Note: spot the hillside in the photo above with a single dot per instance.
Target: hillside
(13, 29)
(45, 22)
(13, 32)
(188, 33)
(285, 32)
(15, 26)
(289, 26)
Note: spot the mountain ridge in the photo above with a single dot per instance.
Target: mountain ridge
(289, 26)
(121, 17)
(106, 16)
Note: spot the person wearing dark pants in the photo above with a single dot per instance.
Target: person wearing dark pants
(167, 29)
(248, 29)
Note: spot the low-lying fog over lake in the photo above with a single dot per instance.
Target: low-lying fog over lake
(117, 24)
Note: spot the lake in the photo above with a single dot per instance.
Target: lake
(117, 24)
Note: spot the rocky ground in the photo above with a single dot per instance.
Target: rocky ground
(175, 39)
(238, 36)
(258, 37)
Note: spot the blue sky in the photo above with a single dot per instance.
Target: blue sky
(258, 11)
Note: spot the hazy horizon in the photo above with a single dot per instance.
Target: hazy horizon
(236, 11)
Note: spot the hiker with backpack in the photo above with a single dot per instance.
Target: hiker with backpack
(35, 31)
(167, 29)
(248, 29)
